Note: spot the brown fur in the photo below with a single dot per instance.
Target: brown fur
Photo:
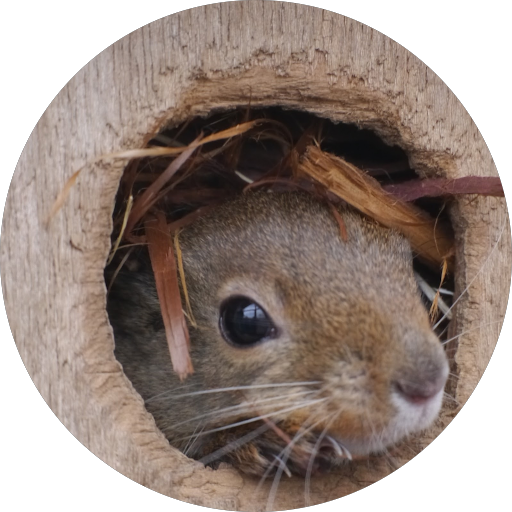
(350, 317)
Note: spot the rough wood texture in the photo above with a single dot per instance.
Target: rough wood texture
(217, 57)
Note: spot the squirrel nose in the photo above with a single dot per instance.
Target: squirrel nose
(424, 369)
(419, 388)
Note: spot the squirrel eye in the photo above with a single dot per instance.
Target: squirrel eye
(244, 323)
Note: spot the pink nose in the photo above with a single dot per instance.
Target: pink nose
(421, 389)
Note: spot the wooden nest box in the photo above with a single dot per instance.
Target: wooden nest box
(194, 63)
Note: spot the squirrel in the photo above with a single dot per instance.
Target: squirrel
(310, 348)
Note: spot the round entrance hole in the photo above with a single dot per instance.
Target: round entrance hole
(251, 153)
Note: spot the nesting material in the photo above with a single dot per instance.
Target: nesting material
(442, 187)
(153, 202)
(430, 239)
(166, 277)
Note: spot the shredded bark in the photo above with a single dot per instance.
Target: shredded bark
(163, 263)
(430, 239)
(439, 187)
(146, 200)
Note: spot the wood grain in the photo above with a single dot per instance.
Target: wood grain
(218, 57)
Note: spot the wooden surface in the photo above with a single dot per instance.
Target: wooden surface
(219, 57)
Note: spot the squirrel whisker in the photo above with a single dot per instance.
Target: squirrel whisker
(283, 466)
(451, 398)
(471, 330)
(312, 457)
(242, 407)
(231, 388)
(487, 259)
(193, 439)
(284, 456)
(233, 445)
(257, 418)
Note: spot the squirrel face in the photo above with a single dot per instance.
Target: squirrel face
(309, 348)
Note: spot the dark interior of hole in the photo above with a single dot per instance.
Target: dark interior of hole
(361, 147)
(260, 156)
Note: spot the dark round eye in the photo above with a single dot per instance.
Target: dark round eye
(244, 323)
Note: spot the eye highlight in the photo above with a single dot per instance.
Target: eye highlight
(244, 323)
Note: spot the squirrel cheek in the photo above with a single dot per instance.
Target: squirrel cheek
(376, 407)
